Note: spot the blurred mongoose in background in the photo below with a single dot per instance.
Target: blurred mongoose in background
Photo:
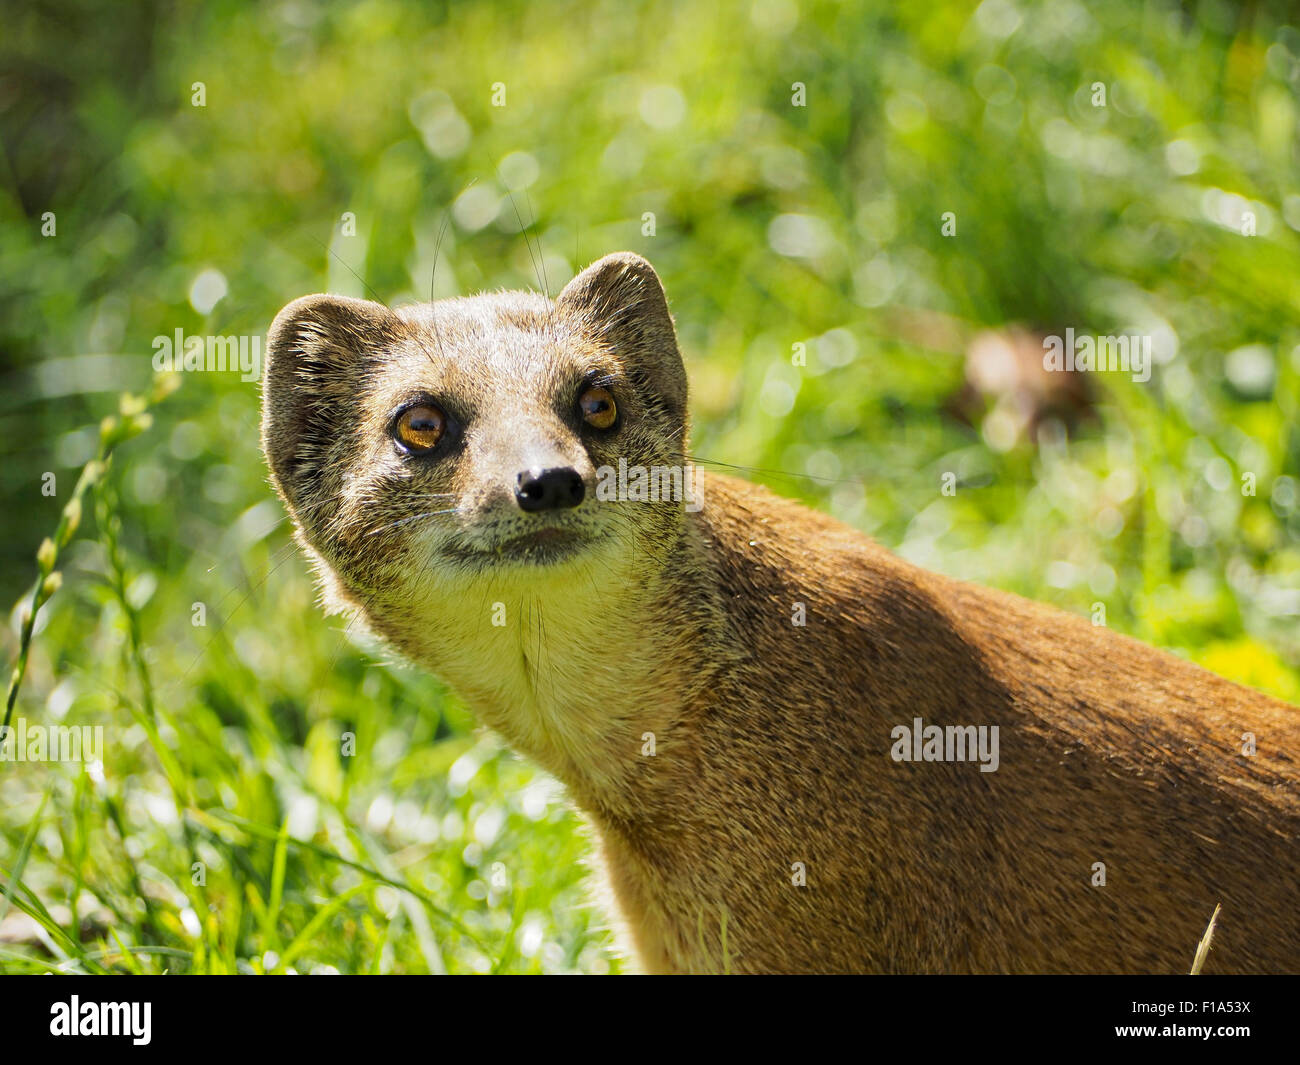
(799, 753)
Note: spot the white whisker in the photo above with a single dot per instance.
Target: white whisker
(414, 517)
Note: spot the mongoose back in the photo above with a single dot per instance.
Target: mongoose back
(921, 776)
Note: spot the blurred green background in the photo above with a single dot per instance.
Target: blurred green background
(1112, 167)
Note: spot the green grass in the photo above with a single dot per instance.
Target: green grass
(228, 830)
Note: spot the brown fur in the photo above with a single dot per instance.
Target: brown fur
(772, 741)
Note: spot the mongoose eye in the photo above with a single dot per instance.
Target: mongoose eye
(598, 409)
(419, 428)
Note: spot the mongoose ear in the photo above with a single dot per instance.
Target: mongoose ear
(316, 360)
(621, 298)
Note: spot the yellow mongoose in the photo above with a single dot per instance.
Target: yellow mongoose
(774, 725)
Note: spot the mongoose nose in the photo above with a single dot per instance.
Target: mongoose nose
(553, 489)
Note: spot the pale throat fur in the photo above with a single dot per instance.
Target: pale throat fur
(580, 650)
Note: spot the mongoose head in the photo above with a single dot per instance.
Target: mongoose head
(433, 448)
